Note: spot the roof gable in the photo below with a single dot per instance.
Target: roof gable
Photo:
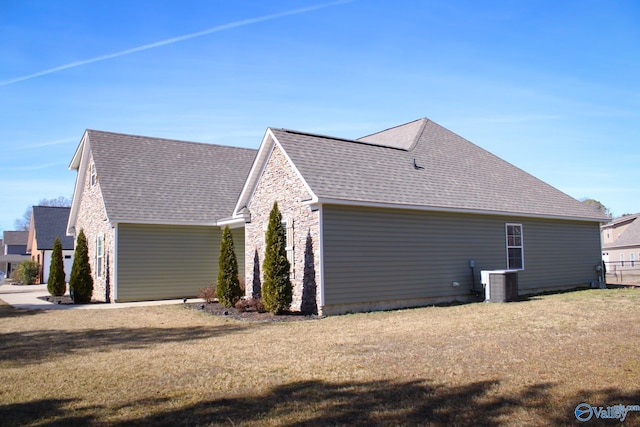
(163, 181)
(269, 142)
(50, 222)
(439, 171)
(630, 236)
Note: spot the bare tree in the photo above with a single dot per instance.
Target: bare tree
(22, 224)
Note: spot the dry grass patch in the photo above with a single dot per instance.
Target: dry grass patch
(527, 363)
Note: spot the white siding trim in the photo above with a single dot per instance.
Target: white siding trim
(320, 271)
(114, 285)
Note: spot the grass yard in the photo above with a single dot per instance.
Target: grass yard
(526, 363)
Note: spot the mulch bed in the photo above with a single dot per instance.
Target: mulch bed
(65, 299)
(217, 309)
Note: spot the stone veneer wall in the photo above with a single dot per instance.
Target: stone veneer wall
(92, 218)
(279, 182)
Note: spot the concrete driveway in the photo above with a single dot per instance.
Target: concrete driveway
(27, 297)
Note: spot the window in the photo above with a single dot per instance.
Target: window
(515, 248)
(632, 259)
(289, 245)
(94, 175)
(99, 256)
(621, 260)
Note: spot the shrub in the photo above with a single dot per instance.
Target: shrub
(56, 284)
(276, 288)
(252, 304)
(228, 285)
(81, 282)
(208, 293)
(27, 272)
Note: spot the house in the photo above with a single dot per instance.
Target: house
(409, 216)
(621, 243)
(151, 210)
(47, 223)
(14, 250)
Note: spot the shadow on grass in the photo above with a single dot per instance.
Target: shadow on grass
(317, 403)
(6, 311)
(36, 346)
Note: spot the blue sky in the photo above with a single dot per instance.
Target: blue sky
(552, 87)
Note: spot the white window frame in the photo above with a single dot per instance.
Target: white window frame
(100, 255)
(514, 245)
(287, 224)
(93, 173)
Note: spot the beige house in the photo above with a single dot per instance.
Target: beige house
(407, 217)
(621, 244)
(151, 210)
(47, 223)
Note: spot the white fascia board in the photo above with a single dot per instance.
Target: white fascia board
(232, 222)
(259, 163)
(314, 204)
(143, 222)
(75, 160)
(78, 163)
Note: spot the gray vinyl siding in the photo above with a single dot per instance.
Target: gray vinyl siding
(164, 262)
(385, 254)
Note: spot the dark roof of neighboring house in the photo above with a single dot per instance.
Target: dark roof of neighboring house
(51, 222)
(15, 238)
(423, 165)
(620, 221)
(156, 180)
(630, 236)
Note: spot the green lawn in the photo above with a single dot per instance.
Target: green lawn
(526, 363)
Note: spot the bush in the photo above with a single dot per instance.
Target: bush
(208, 294)
(252, 304)
(56, 284)
(81, 282)
(228, 285)
(276, 288)
(26, 273)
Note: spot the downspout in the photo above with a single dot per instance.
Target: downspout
(321, 272)
(115, 262)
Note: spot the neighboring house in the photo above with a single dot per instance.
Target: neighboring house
(407, 217)
(47, 223)
(621, 243)
(151, 210)
(14, 250)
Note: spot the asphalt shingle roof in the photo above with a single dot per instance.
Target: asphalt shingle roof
(51, 222)
(158, 180)
(630, 236)
(439, 170)
(16, 238)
